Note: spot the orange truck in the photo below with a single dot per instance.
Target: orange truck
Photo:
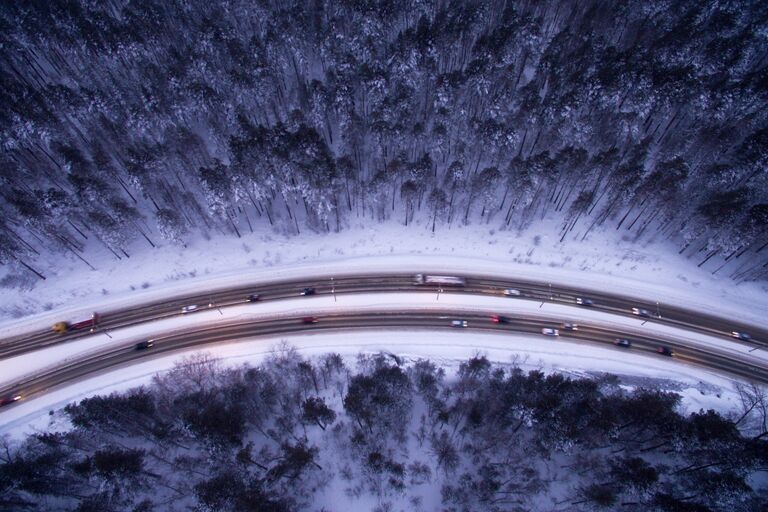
(64, 327)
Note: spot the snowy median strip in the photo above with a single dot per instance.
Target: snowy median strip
(19, 367)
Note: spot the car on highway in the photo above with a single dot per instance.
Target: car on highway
(570, 326)
(499, 319)
(547, 331)
(743, 336)
(511, 292)
(254, 297)
(420, 279)
(189, 309)
(641, 312)
(9, 399)
(308, 291)
(582, 301)
(459, 323)
(309, 320)
(665, 351)
(143, 345)
(622, 342)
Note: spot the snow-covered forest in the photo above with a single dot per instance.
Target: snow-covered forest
(315, 434)
(147, 122)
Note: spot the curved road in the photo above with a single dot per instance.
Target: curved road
(476, 284)
(118, 355)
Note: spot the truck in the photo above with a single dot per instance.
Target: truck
(439, 280)
(65, 327)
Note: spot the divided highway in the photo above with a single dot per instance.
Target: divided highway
(481, 285)
(118, 355)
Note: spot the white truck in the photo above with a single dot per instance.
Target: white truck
(439, 280)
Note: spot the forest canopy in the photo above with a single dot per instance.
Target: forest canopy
(155, 120)
(296, 434)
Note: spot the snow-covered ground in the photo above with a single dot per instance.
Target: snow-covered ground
(603, 261)
(652, 272)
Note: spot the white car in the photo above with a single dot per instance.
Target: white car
(458, 323)
(189, 309)
(550, 332)
(511, 292)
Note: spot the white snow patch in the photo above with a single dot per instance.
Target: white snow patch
(604, 261)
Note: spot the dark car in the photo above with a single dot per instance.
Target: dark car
(9, 399)
(253, 297)
(144, 345)
(570, 326)
(622, 342)
(498, 319)
(743, 336)
(308, 291)
(582, 301)
(665, 351)
(309, 320)
(641, 312)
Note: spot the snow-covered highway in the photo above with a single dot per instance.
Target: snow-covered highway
(116, 355)
(672, 315)
(156, 313)
(35, 372)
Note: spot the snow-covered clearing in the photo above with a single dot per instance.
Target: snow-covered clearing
(602, 262)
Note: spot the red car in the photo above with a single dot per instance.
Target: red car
(309, 320)
(9, 399)
(498, 319)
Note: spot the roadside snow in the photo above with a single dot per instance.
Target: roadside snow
(602, 262)
(700, 388)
